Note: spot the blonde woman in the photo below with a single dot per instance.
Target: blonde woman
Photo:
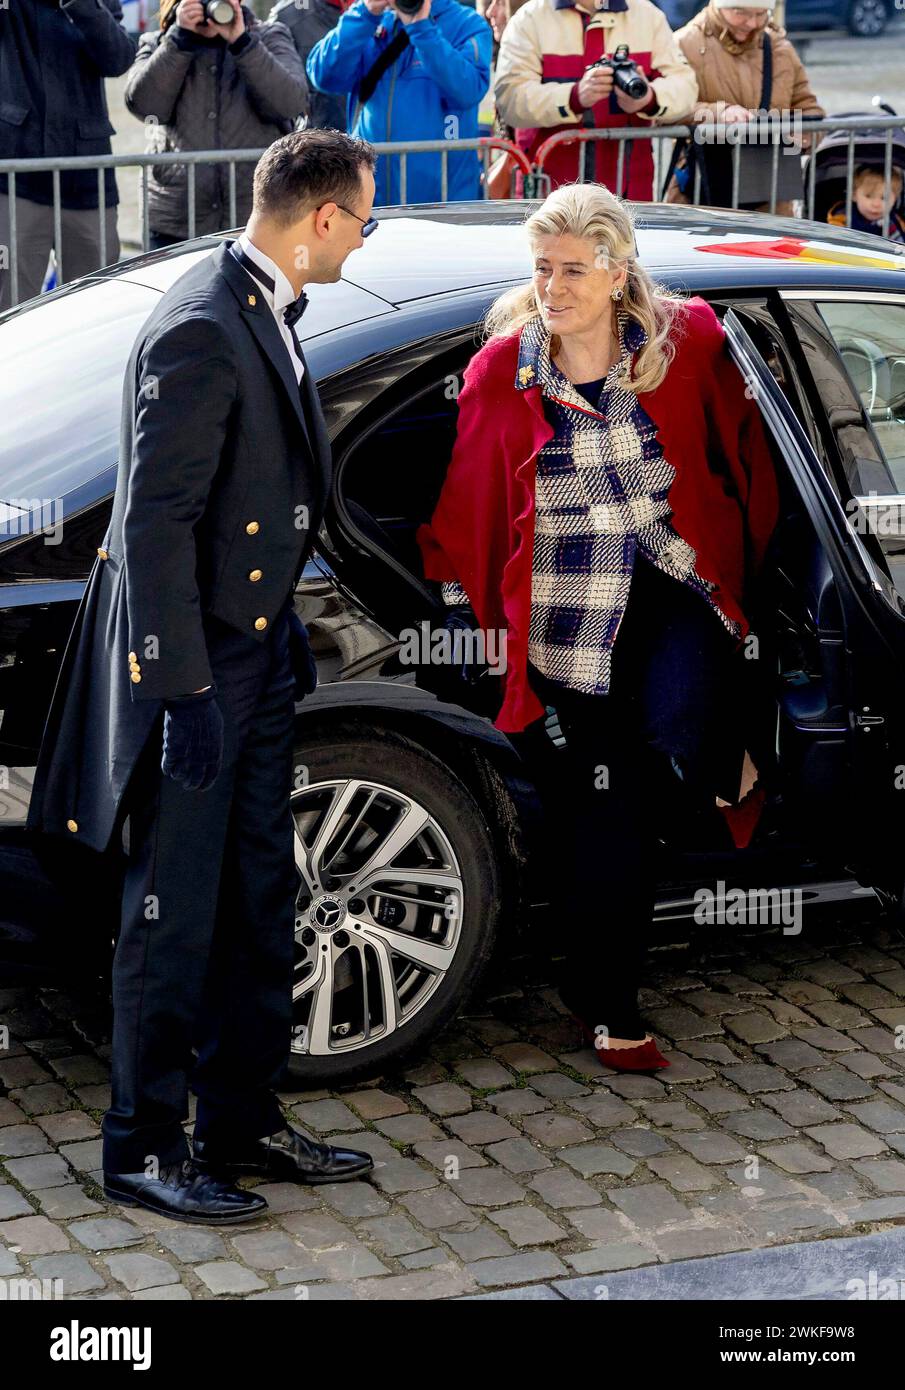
(608, 502)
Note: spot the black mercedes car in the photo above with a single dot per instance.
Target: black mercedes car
(420, 842)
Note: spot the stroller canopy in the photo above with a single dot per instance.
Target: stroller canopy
(831, 159)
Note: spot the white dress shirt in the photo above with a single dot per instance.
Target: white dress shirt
(282, 296)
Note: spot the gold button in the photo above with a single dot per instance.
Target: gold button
(134, 666)
(252, 300)
(255, 575)
(72, 825)
(103, 554)
(135, 677)
(133, 656)
(260, 624)
(253, 528)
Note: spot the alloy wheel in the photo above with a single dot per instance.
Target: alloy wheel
(378, 913)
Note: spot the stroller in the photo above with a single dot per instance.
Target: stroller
(831, 168)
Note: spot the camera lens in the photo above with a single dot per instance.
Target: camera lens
(218, 11)
(633, 86)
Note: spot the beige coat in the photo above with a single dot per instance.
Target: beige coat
(539, 36)
(732, 74)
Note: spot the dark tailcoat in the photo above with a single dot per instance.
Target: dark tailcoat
(222, 483)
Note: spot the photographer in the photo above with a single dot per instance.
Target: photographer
(413, 73)
(53, 61)
(546, 80)
(202, 85)
(308, 23)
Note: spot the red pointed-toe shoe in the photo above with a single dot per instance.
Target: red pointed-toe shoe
(645, 1057)
(743, 818)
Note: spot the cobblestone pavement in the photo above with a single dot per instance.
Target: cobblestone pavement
(508, 1156)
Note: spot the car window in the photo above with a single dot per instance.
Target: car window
(871, 342)
(855, 350)
(758, 318)
(412, 441)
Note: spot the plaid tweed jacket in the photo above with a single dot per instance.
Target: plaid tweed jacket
(601, 488)
(724, 495)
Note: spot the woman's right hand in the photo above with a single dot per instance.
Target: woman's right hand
(190, 15)
(732, 114)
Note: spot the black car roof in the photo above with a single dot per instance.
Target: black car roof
(427, 267)
(436, 248)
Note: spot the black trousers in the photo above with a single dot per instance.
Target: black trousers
(666, 738)
(205, 955)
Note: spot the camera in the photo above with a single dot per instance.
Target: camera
(627, 75)
(219, 11)
(408, 6)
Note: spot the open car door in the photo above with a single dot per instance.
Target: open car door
(838, 648)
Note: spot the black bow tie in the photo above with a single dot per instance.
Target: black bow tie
(293, 312)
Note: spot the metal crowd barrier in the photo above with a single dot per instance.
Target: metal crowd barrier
(779, 132)
(486, 146)
(536, 181)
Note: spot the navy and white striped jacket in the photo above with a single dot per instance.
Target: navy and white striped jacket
(601, 495)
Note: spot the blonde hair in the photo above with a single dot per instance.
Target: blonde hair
(592, 213)
(863, 172)
(167, 13)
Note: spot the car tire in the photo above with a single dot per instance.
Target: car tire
(868, 18)
(386, 758)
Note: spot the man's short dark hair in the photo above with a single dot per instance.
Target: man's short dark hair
(306, 168)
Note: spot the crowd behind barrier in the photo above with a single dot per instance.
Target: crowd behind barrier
(487, 99)
(523, 177)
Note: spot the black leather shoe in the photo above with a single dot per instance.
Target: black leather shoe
(186, 1192)
(286, 1155)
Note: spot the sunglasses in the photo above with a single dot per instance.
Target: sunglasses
(368, 225)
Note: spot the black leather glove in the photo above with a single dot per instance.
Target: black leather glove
(447, 677)
(461, 619)
(304, 666)
(187, 39)
(193, 740)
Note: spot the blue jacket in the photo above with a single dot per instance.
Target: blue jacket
(431, 92)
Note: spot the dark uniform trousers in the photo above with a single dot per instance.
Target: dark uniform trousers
(205, 954)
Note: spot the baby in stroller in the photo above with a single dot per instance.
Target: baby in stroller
(874, 206)
(871, 203)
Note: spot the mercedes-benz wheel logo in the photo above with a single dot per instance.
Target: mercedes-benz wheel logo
(327, 913)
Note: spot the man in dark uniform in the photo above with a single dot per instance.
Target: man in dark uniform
(175, 701)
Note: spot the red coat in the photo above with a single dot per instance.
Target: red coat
(723, 496)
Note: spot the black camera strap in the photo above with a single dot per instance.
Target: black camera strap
(693, 153)
(766, 91)
(368, 84)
